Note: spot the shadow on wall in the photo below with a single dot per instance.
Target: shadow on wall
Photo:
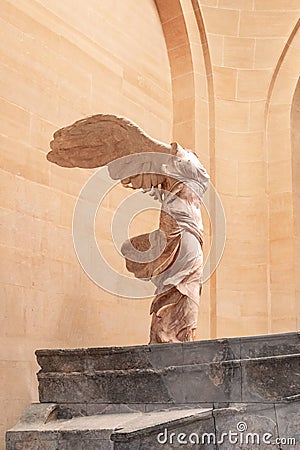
(295, 137)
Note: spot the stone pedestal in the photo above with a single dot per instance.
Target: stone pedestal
(166, 396)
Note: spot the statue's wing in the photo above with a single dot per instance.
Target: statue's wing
(100, 139)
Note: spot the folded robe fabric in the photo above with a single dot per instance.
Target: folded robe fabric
(177, 271)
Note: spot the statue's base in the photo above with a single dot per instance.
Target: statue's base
(136, 397)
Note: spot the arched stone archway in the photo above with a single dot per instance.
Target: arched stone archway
(228, 94)
(281, 118)
(192, 83)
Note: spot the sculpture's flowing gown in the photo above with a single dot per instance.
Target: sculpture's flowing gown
(177, 272)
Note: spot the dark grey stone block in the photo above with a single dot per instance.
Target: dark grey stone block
(246, 426)
(270, 345)
(70, 410)
(166, 355)
(172, 379)
(31, 440)
(211, 351)
(288, 419)
(157, 424)
(163, 355)
(105, 386)
(64, 387)
(129, 387)
(119, 358)
(270, 379)
(35, 445)
(217, 382)
(119, 375)
(68, 360)
(133, 445)
(187, 433)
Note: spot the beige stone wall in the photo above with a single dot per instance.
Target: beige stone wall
(234, 67)
(295, 135)
(59, 62)
(248, 41)
(220, 77)
(281, 153)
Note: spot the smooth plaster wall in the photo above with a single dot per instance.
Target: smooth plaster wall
(61, 61)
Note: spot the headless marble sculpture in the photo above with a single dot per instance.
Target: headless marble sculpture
(178, 179)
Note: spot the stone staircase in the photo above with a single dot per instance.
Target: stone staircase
(204, 394)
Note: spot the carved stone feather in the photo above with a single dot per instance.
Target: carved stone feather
(99, 139)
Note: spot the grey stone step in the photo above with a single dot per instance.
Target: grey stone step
(163, 355)
(261, 426)
(250, 369)
(272, 378)
(94, 432)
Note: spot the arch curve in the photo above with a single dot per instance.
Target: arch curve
(280, 154)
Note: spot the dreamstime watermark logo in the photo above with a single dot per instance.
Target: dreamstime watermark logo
(241, 436)
(90, 198)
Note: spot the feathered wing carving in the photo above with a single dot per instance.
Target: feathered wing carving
(99, 139)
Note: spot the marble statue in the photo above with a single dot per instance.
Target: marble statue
(178, 180)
